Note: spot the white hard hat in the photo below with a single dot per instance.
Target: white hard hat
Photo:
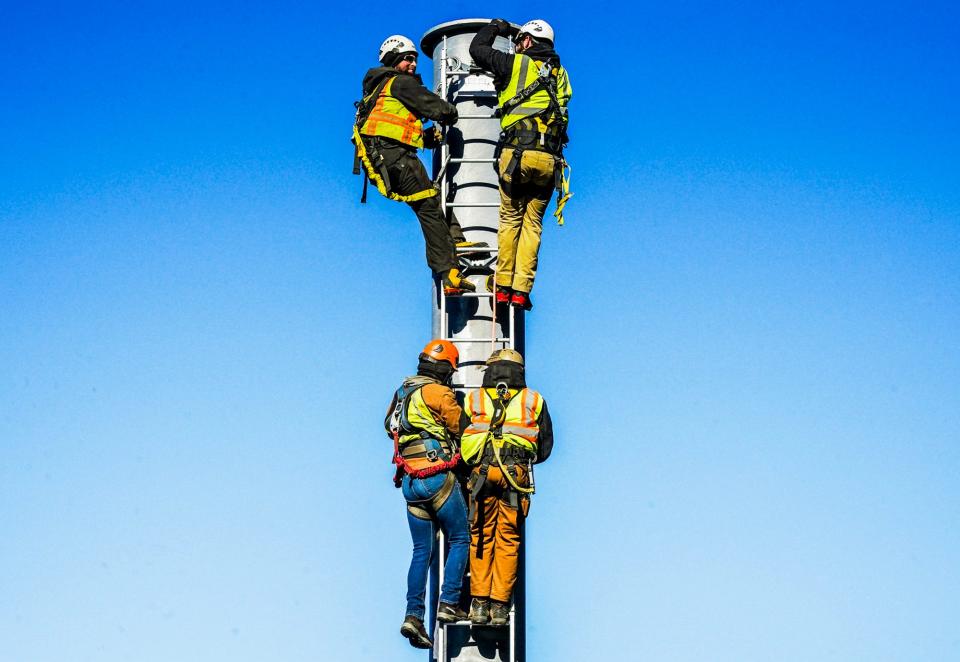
(538, 29)
(397, 43)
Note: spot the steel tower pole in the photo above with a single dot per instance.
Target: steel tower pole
(469, 191)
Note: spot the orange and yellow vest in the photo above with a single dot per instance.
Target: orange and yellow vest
(389, 118)
(519, 429)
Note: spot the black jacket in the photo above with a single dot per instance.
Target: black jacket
(500, 64)
(408, 89)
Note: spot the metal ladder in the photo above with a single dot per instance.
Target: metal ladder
(448, 74)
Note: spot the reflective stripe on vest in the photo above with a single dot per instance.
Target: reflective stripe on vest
(421, 418)
(519, 429)
(391, 119)
(525, 73)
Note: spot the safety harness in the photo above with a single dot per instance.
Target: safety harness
(549, 136)
(505, 456)
(429, 454)
(367, 155)
(427, 508)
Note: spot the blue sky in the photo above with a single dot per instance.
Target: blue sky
(747, 332)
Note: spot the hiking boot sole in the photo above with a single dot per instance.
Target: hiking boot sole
(415, 638)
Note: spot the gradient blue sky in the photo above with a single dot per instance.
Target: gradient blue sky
(747, 333)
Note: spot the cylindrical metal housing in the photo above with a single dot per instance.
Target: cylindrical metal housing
(470, 192)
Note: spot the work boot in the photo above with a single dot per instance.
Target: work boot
(480, 611)
(499, 612)
(521, 300)
(455, 284)
(413, 630)
(448, 613)
(503, 294)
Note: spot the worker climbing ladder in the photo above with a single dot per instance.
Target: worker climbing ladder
(465, 174)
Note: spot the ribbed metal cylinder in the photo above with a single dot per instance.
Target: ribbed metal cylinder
(470, 191)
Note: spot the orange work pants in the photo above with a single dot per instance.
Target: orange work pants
(495, 537)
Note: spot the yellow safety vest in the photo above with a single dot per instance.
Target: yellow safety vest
(391, 119)
(519, 428)
(525, 72)
(421, 418)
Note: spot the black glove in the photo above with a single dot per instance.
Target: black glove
(450, 118)
(432, 138)
(503, 27)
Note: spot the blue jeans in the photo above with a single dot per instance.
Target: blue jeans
(452, 519)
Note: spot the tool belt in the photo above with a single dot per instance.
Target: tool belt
(422, 458)
(427, 509)
(521, 136)
(509, 456)
(426, 448)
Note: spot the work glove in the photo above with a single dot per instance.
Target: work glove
(432, 138)
(450, 117)
(503, 27)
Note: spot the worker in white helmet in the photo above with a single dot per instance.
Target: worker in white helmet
(387, 134)
(533, 91)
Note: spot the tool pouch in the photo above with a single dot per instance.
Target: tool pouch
(525, 505)
(506, 177)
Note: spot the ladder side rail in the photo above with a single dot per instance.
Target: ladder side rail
(440, 644)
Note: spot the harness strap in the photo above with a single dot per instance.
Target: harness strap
(562, 179)
(545, 79)
(477, 487)
(508, 475)
(403, 467)
(428, 508)
(414, 450)
(379, 177)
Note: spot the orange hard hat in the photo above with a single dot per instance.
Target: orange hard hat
(441, 350)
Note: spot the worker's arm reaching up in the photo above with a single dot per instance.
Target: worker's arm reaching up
(487, 57)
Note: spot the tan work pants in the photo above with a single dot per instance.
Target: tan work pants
(495, 538)
(521, 216)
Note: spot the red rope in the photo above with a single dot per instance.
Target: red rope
(403, 467)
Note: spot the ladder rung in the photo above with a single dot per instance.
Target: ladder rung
(473, 204)
(458, 160)
(478, 117)
(478, 339)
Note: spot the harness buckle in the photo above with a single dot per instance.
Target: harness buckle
(433, 455)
